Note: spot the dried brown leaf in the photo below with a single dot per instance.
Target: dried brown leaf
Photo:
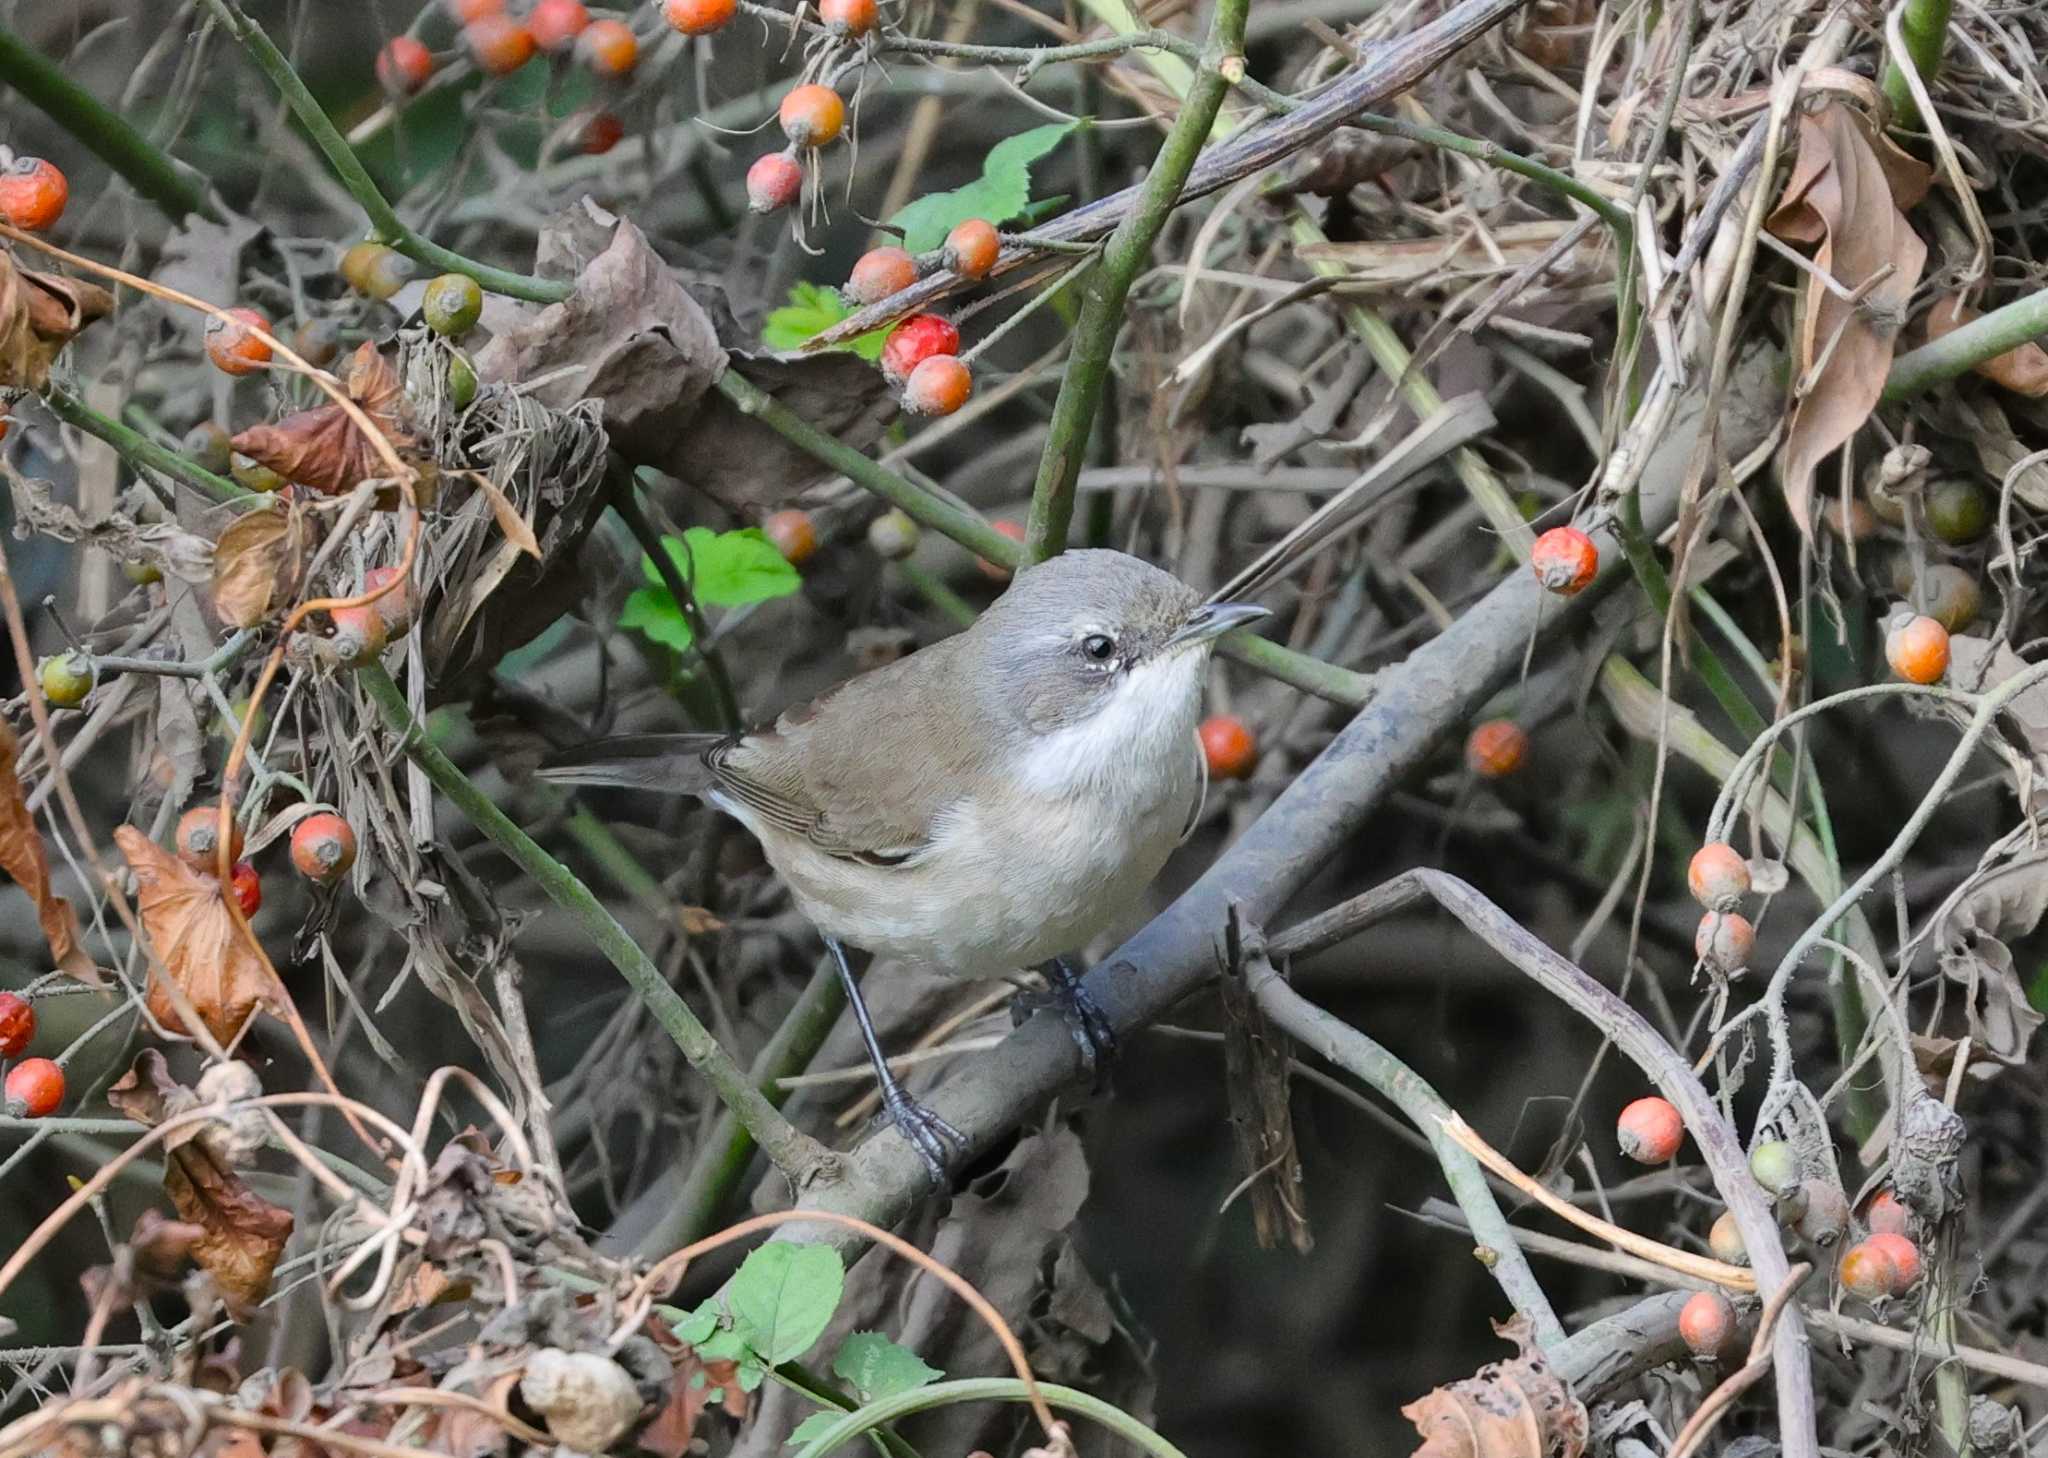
(22, 856)
(39, 314)
(2002, 904)
(324, 449)
(149, 1095)
(670, 1432)
(1846, 197)
(195, 935)
(2023, 370)
(1513, 1409)
(257, 561)
(510, 522)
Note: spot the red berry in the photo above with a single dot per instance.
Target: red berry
(849, 17)
(913, 342)
(465, 11)
(359, 633)
(233, 346)
(35, 1087)
(1705, 1324)
(1886, 1216)
(556, 23)
(698, 17)
(1718, 876)
(938, 386)
(601, 133)
(1564, 560)
(17, 1025)
(773, 182)
(199, 838)
(247, 885)
(323, 847)
(608, 47)
(1496, 749)
(878, 273)
(1724, 941)
(1917, 650)
(996, 570)
(1904, 1257)
(32, 194)
(971, 248)
(395, 606)
(1649, 1131)
(404, 66)
(1229, 747)
(500, 44)
(811, 115)
(1867, 1270)
(793, 535)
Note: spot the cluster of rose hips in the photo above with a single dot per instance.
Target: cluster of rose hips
(323, 847)
(1719, 878)
(34, 1086)
(921, 355)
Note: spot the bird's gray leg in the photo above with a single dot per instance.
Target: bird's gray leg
(1082, 1014)
(927, 1132)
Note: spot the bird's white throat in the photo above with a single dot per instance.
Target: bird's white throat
(1141, 736)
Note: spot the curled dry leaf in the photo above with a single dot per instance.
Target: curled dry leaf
(323, 448)
(22, 856)
(39, 313)
(1519, 1408)
(195, 935)
(257, 561)
(2001, 905)
(2023, 370)
(1847, 197)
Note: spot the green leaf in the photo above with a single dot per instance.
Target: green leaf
(876, 1367)
(654, 612)
(697, 1328)
(725, 568)
(783, 1298)
(998, 195)
(813, 1425)
(811, 310)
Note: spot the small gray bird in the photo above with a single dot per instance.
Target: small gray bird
(985, 804)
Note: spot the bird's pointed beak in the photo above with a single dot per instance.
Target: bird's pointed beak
(1212, 620)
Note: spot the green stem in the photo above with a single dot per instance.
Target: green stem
(1962, 350)
(1924, 26)
(140, 450)
(986, 1389)
(152, 174)
(802, 1380)
(1108, 287)
(620, 864)
(940, 596)
(1612, 213)
(794, 1152)
(384, 220)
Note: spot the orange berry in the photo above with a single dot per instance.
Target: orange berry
(1705, 1323)
(1851, 520)
(500, 44)
(199, 838)
(395, 606)
(1229, 747)
(231, 344)
(913, 342)
(1564, 560)
(878, 273)
(32, 194)
(1886, 1216)
(698, 17)
(600, 134)
(1649, 1131)
(247, 884)
(556, 23)
(971, 248)
(811, 115)
(359, 633)
(793, 535)
(35, 1087)
(851, 18)
(404, 66)
(1867, 1270)
(1004, 527)
(608, 47)
(1724, 941)
(374, 269)
(1904, 1257)
(773, 182)
(1725, 1241)
(1496, 749)
(323, 847)
(17, 1025)
(1917, 650)
(1718, 876)
(938, 386)
(464, 11)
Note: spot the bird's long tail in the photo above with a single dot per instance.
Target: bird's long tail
(671, 764)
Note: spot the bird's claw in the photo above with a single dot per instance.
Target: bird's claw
(1086, 1021)
(927, 1133)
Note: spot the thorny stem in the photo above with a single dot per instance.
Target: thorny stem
(1962, 350)
(1109, 284)
(110, 136)
(1310, 675)
(794, 1152)
(138, 449)
(1925, 25)
(384, 219)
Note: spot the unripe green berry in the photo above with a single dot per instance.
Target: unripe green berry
(66, 678)
(452, 305)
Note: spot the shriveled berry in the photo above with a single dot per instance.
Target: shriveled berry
(773, 182)
(499, 44)
(1564, 560)
(1958, 510)
(1724, 941)
(1775, 1166)
(1718, 876)
(317, 342)
(66, 678)
(1649, 1131)
(1003, 526)
(971, 248)
(247, 884)
(913, 342)
(608, 47)
(1496, 749)
(811, 115)
(253, 474)
(600, 134)
(376, 270)
(1706, 1324)
(1229, 747)
(1904, 1257)
(452, 304)
(35, 1088)
(698, 17)
(199, 838)
(793, 535)
(1867, 1270)
(1725, 1241)
(1824, 1218)
(1886, 1216)
(323, 847)
(17, 1025)
(32, 194)
(878, 273)
(556, 23)
(404, 66)
(231, 342)
(938, 386)
(461, 382)
(851, 18)
(208, 444)
(1917, 649)
(893, 534)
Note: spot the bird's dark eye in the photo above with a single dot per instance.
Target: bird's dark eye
(1099, 647)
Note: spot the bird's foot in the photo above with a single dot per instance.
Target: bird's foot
(1086, 1021)
(932, 1137)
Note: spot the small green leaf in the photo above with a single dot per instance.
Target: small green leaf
(697, 1328)
(654, 612)
(783, 1297)
(727, 568)
(813, 1425)
(998, 195)
(876, 1367)
(811, 310)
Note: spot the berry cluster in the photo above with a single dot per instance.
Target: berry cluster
(34, 1086)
